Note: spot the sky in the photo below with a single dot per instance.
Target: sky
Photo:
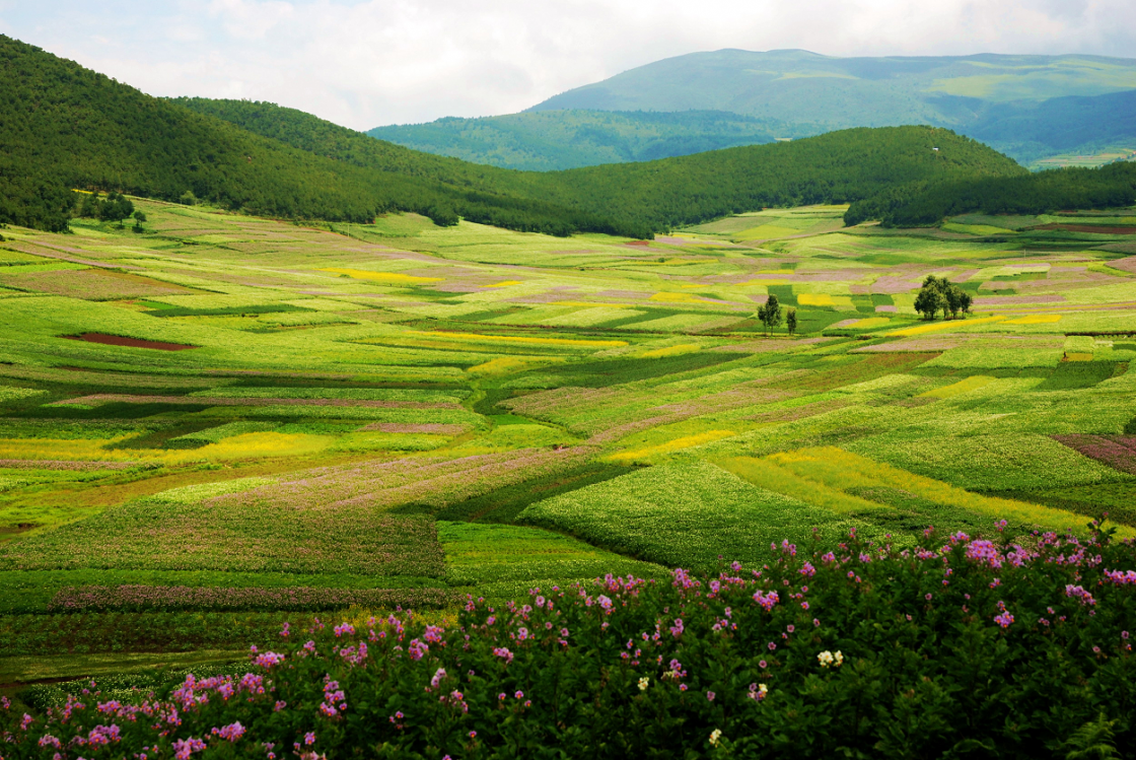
(368, 63)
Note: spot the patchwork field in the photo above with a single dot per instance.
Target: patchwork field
(223, 420)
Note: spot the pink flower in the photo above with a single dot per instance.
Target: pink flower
(231, 732)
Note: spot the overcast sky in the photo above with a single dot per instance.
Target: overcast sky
(366, 63)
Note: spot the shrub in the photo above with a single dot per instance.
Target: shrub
(1014, 650)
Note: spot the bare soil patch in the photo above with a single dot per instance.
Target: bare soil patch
(118, 340)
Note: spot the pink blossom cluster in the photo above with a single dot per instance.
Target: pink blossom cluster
(231, 732)
(766, 600)
(1120, 577)
(1077, 592)
(334, 699)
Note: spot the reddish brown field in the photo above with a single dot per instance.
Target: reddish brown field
(118, 340)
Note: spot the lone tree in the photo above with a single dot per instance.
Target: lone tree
(770, 313)
(791, 321)
(939, 293)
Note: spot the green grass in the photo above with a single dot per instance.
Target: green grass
(685, 514)
(989, 462)
(504, 504)
(505, 561)
(29, 669)
(451, 434)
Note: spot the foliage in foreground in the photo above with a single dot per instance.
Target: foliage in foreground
(962, 647)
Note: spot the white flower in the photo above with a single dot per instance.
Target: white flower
(715, 735)
(825, 658)
(643, 682)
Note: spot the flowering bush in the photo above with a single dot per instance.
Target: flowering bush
(957, 646)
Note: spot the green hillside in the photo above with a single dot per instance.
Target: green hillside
(551, 140)
(839, 167)
(63, 127)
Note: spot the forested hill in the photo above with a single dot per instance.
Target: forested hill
(838, 167)
(63, 127)
(1112, 186)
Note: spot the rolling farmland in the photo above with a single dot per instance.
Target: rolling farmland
(225, 421)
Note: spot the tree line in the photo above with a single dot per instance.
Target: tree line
(928, 203)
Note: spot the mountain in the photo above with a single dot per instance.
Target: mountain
(1029, 107)
(551, 140)
(1073, 124)
(64, 127)
(797, 86)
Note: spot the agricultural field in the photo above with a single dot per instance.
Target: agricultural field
(223, 422)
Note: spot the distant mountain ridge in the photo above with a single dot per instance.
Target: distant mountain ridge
(553, 140)
(800, 86)
(1029, 107)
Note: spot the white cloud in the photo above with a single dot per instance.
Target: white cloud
(372, 62)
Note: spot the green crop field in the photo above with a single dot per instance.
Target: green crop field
(223, 419)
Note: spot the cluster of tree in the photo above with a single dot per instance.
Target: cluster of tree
(769, 314)
(928, 203)
(114, 208)
(940, 294)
